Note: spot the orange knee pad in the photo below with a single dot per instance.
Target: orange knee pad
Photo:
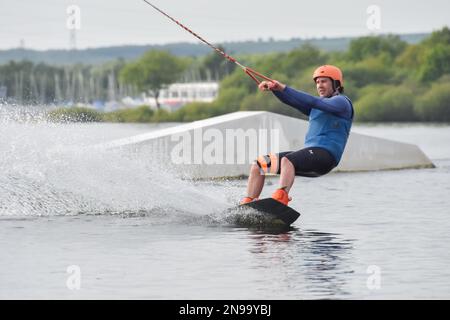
(268, 163)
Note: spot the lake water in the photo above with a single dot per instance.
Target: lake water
(131, 230)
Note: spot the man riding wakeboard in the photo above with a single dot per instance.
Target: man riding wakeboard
(330, 120)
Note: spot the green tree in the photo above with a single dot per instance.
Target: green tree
(364, 47)
(385, 103)
(410, 57)
(302, 58)
(238, 79)
(436, 62)
(217, 66)
(434, 105)
(368, 71)
(428, 60)
(229, 100)
(153, 71)
(440, 36)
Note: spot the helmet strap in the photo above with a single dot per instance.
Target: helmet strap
(335, 87)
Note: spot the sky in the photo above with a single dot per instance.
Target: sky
(43, 24)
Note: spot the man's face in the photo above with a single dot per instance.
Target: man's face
(324, 86)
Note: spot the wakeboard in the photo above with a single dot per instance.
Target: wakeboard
(272, 212)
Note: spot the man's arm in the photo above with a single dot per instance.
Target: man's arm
(290, 98)
(337, 105)
(303, 101)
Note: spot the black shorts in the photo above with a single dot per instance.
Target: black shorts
(308, 162)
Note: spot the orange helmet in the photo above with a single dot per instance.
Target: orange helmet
(331, 72)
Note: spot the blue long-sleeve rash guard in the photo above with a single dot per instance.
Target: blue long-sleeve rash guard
(330, 119)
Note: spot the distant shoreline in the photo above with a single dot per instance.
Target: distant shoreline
(129, 52)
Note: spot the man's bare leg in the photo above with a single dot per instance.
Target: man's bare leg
(255, 182)
(287, 174)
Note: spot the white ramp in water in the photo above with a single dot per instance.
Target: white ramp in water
(225, 146)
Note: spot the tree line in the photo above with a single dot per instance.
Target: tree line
(386, 78)
(43, 84)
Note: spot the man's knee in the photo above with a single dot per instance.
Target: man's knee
(285, 162)
(268, 163)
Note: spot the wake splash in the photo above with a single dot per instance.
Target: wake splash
(48, 169)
